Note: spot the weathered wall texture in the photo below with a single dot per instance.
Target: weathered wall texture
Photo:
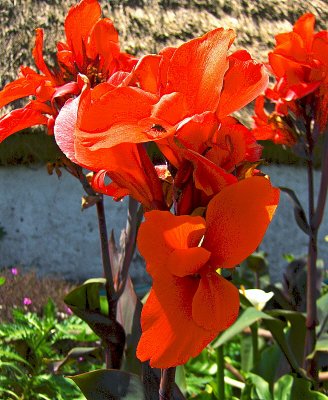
(149, 25)
(46, 229)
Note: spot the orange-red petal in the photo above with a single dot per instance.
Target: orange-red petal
(215, 304)
(243, 82)
(38, 54)
(197, 68)
(162, 233)
(103, 42)
(20, 119)
(110, 119)
(236, 220)
(169, 334)
(78, 24)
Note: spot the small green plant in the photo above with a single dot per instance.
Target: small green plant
(33, 355)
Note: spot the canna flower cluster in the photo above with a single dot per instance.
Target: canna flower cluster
(91, 49)
(206, 205)
(300, 66)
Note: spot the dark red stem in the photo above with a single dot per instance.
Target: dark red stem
(167, 383)
(311, 294)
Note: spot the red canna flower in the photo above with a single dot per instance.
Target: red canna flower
(190, 303)
(300, 65)
(271, 126)
(169, 88)
(127, 165)
(91, 48)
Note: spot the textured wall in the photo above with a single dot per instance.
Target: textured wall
(149, 25)
(46, 229)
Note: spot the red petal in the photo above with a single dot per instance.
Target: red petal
(20, 119)
(78, 24)
(169, 334)
(64, 128)
(21, 87)
(304, 26)
(216, 302)
(38, 54)
(197, 68)
(103, 42)
(162, 233)
(236, 220)
(109, 120)
(208, 177)
(243, 82)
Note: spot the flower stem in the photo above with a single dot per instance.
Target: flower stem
(167, 383)
(220, 372)
(110, 352)
(311, 295)
(255, 343)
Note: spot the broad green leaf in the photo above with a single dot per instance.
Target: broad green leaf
(74, 354)
(299, 213)
(296, 331)
(180, 379)
(276, 327)
(322, 307)
(301, 390)
(128, 315)
(106, 384)
(85, 302)
(321, 345)
(2, 280)
(246, 353)
(283, 387)
(256, 388)
(257, 262)
(270, 363)
(247, 318)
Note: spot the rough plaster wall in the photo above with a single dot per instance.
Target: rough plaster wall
(46, 229)
(149, 25)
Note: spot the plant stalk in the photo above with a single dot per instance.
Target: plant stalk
(167, 383)
(311, 295)
(220, 372)
(110, 359)
(255, 343)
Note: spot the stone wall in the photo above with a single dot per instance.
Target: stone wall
(46, 229)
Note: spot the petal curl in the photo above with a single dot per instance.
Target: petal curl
(162, 233)
(20, 119)
(243, 82)
(237, 219)
(197, 68)
(215, 305)
(169, 334)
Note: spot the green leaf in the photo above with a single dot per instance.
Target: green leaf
(109, 385)
(302, 391)
(74, 354)
(180, 379)
(296, 332)
(247, 318)
(128, 315)
(85, 302)
(276, 327)
(283, 387)
(256, 388)
(321, 345)
(2, 280)
(322, 307)
(257, 262)
(246, 353)
(299, 213)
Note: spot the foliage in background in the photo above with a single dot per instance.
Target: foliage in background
(33, 355)
(19, 285)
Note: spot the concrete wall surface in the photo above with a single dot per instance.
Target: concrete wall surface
(46, 230)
